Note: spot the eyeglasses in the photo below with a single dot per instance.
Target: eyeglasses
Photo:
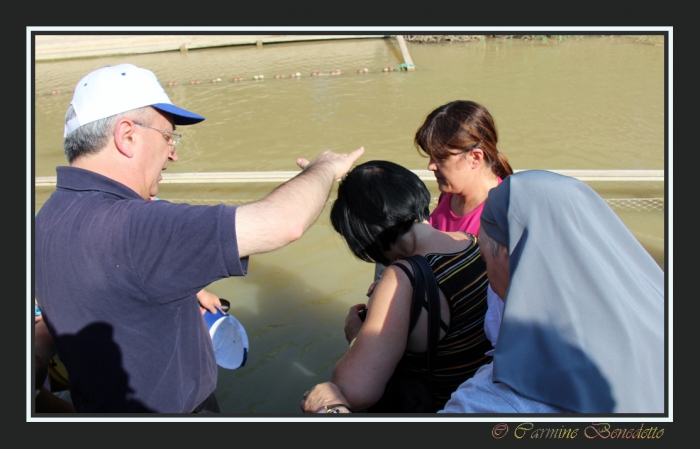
(172, 138)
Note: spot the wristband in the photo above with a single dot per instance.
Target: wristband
(338, 408)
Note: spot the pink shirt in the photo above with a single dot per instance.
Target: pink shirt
(443, 219)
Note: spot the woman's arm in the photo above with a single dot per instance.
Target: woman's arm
(363, 372)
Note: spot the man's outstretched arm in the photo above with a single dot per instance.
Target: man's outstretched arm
(288, 211)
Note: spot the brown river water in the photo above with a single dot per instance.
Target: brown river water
(593, 103)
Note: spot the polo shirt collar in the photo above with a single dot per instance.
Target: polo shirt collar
(79, 179)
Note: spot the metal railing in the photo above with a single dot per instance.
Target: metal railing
(425, 175)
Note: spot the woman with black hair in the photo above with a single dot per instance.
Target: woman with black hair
(382, 213)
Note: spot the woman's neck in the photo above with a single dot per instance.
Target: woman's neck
(410, 243)
(423, 239)
(415, 241)
(472, 197)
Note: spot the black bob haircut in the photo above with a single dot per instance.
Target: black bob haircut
(378, 201)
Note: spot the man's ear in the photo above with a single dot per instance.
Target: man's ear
(124, 137)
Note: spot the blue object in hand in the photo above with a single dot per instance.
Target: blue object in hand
(229, 339)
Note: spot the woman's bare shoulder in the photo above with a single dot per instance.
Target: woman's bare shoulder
(461, 236)
(449, 243)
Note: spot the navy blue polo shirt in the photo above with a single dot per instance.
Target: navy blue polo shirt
(116, 277)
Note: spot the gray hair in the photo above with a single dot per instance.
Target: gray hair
(485, 237)
(92, 137)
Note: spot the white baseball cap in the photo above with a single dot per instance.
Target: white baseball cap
(229, 338)
(115, 89)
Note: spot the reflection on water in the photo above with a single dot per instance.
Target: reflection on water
(590, 103)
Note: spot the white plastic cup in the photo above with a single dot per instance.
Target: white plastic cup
(229, 339)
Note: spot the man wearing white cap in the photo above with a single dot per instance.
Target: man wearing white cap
(117, 275)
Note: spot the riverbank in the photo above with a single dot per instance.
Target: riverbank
(446, 38)
(59, 47)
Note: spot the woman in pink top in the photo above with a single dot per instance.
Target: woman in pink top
(460, 139)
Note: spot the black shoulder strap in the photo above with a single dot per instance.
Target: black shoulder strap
(426, 285)
(418, 284)
(415, 313)
(433, 309)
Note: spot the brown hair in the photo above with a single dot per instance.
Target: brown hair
(462, 125)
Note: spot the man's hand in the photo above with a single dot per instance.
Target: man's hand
(338, 163)
(287, 212)
(208, 301)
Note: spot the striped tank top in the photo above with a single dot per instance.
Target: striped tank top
(461, 276)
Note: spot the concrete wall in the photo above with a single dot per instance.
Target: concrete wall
(48, 47)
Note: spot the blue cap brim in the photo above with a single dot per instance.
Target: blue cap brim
(180, 116)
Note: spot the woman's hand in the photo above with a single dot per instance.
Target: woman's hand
(353, 323)
(320, 396)
(370, 290)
